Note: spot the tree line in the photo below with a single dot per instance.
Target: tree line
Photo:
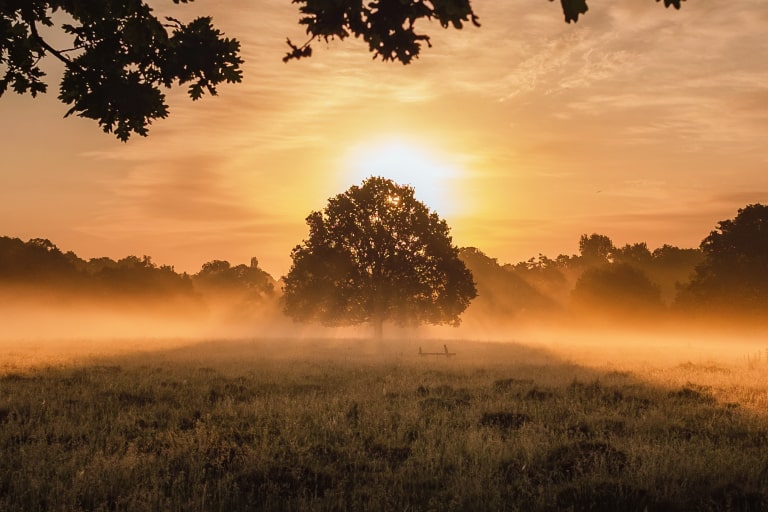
(726, 275)
(602, 281)
(39, 265)
(725, 278)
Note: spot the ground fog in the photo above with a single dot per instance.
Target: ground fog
(541, 420)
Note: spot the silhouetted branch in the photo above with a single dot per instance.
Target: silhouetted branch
(53, 51)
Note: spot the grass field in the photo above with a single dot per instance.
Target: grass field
(353, 425)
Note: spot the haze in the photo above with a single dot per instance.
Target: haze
(641, 123)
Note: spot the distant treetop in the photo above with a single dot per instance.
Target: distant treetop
(734, 274)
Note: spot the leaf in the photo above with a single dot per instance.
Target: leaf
(573, 8)
(675, 3)
(297, 52)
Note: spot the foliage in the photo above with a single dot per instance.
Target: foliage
(376, 253)
(573, 8)
(219, 276)
(595, 249)
(532, 289)
(138, 276)
(637, 254)
(37, 260)
(120, 56)
(502, 293)
(671, 256)
(734, 273)
(543, 264)
(617, 288)
(389, 26)
(668, 267)
(40, 264)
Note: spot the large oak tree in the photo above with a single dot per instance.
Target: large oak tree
(376, 254)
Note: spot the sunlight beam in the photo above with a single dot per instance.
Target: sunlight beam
(432, 177)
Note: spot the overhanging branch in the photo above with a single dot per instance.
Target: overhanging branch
(53, 51)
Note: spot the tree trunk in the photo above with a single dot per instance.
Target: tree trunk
(378, 328)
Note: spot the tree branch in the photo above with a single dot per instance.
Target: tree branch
(56, 53)
(298, 52)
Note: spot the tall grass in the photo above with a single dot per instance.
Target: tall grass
(227, 426)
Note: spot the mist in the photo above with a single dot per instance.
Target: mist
(606, 305)
(43, 327)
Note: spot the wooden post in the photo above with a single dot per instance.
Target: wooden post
(444, 353)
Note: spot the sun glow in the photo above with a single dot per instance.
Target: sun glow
(433, 179)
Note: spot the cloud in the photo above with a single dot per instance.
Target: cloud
(171, 196)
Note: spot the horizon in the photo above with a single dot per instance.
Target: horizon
(278, 277)
(523, 134)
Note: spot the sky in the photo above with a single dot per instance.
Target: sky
(642, 123)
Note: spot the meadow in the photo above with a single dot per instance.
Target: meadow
(333, 424)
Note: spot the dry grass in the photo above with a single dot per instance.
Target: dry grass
(342, 425)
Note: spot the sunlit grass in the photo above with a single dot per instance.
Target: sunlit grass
(335, 425)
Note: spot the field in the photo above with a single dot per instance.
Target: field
(358, 425)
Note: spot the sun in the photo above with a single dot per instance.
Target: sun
(432, 176)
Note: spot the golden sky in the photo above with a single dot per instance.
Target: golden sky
(639, 122)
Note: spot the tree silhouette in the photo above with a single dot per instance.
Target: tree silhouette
(377, 254)
(595, 249)
(618, 290)
(41, 266)
(671, 256)
(734, 273)
(219, 276)
(553, 278)
(502, 293)
(388, 26)
(135, 277)
(636, 254)
(36, 261)
(121, 54)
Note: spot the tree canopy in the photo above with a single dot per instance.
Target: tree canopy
(734, 273)
(595, 249)
(122, 54)
(502, 294)
(39, 263)
(376, 254)
(616, 289)
(250, 281)
(389, 26)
